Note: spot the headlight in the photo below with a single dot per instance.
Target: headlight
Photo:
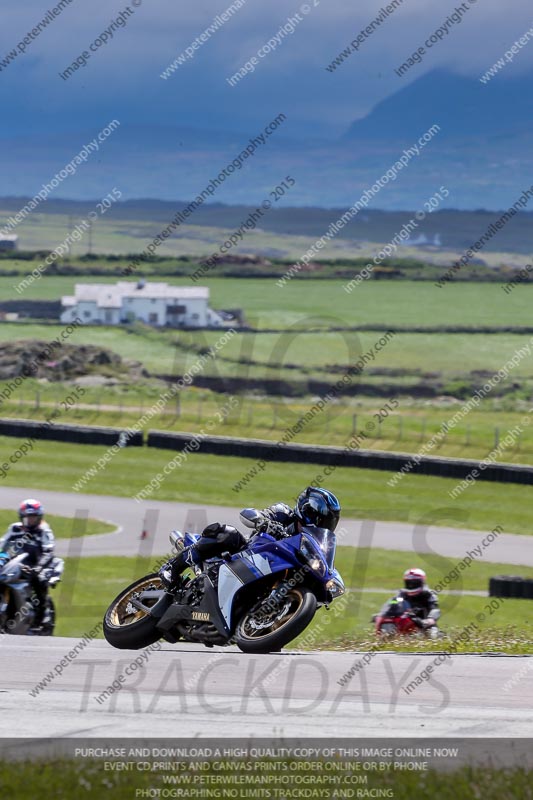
(335, 587)
(314, 562)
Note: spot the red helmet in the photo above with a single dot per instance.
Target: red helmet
(414, 581)
(31, 512)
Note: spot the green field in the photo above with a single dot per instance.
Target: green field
(380, 303)
(404, 430)
(205, 479)
(299, 356)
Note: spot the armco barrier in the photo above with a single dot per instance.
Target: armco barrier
(81, 434)
(339, 457)
(268, 451)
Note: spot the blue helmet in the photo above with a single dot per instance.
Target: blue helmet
(316, 506)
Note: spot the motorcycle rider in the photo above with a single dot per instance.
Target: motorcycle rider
(422, 600)
(33, 536)
(315, 506)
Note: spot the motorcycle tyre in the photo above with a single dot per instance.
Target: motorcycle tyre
(273, 642)
(136, 635)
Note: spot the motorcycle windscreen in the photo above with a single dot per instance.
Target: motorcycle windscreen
(325, 539)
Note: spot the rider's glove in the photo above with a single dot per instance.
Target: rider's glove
(4, 558)
(42, 575)
(275, 529)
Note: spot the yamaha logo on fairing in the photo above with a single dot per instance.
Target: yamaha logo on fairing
(202, 616)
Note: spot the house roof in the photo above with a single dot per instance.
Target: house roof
(107, 295)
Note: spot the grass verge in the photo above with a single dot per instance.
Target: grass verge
(90, 584)
(207, 479)
(64, 779)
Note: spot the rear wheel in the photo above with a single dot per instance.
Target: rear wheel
(127, 627)
(265, 631)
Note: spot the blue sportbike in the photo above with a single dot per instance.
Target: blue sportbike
(260, 598)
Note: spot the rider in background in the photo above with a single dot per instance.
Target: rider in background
(422, 600)
(315, 506)
(33, 536)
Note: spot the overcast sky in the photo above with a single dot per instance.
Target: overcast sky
(122, 79)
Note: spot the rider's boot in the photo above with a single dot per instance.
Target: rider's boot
(170, 573)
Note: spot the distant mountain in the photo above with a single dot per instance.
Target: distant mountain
(483, 154)
(465, 108)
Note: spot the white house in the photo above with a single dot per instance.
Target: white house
(155, 304)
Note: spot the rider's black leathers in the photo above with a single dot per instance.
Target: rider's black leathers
(424, 605)
(218, 538)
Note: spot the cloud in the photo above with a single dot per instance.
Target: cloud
(122, 79)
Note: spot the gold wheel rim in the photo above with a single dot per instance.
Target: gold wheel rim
(121, 615)
(277, 625)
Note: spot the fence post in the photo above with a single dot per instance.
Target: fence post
(37, 400)
(496, 437)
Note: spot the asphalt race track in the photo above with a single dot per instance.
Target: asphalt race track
(186, 691)
(159, 518)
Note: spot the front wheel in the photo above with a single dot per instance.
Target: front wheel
(127, 627)
(264, 630)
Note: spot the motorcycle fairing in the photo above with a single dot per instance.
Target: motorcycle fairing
(206, 611)
(243, 568)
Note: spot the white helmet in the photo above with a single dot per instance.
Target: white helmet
(414, 581)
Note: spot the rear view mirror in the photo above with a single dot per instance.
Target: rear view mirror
(251, 517)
